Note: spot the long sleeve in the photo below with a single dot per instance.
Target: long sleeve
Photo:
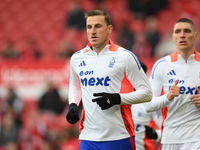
(159, 99)
(157, 103)
(139, 80)
(74, 86)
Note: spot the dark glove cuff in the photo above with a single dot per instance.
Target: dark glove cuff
(117, 97)
(72, 115)
(72, 105)
(151, 133)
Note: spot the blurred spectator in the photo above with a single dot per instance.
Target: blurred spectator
(14, 103)
(99, 4)
(152, 33)
(66, 50)
(141, 47)
(68, 138)
(9, 130)
(31, 51)
(139, 7)
(46, 146)
(166, 45)
(32, 134)
(10, 51)
(35, 125)
(51, 101)
(125, 37)
(52, 140)
(11, 146)
(75, 18)
(144, 8)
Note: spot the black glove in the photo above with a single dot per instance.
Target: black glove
(72, 115)
(150, 133)
(107, 100)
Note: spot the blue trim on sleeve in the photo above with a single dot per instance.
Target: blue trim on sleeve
(135, 57)
(77, 52)
(155, 66)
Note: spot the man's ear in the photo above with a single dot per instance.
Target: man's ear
(195, 35)
(110, 28)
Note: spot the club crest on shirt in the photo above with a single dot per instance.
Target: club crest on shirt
(112, 62)
(140, 112)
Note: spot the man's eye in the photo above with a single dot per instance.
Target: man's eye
(98, 26)
(177, 31)
(187, 31)
(88, 27)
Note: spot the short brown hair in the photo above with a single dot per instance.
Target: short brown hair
(99, 12)
(187, 21)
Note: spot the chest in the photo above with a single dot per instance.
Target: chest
(100, 70)
(99, 65)
(188, 75)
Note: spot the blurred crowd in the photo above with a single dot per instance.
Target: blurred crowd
(140, 31)
(36, 125)
(41, 125)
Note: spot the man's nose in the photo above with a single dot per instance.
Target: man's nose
(93, 30)
(182, 34)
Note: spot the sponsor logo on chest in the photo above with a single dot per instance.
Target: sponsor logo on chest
(87, 80)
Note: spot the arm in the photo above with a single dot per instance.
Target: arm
(74, 96)
(157, 118)
(74, 86)
(156, 79)
(135, 76)
(139, 80)
(158, 103)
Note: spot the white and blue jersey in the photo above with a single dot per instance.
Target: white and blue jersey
(142, 118)
(113, 70)
(181, 116)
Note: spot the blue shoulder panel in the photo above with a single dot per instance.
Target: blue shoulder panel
(155, 66)
(135, 57)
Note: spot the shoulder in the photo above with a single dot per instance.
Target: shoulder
(163, 61)
(160, 64)
(129, 56)
(82, 51)
(127, 53)
(130, 59)
(79, 53)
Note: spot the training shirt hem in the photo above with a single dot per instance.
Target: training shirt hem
(104, 139)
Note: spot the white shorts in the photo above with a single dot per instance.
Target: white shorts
(182, 146)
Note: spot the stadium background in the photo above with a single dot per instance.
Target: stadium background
(45, 22)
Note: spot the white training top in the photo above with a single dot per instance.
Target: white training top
(113, 70)
(142, 118)
(182, 123)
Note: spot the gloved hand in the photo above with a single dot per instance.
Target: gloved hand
(150, 133)
(72, 115)
(107, 100)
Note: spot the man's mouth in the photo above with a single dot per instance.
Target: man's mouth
(182, 42)
(93, 37)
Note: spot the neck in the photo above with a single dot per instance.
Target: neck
(99, 48)
(185, 53)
